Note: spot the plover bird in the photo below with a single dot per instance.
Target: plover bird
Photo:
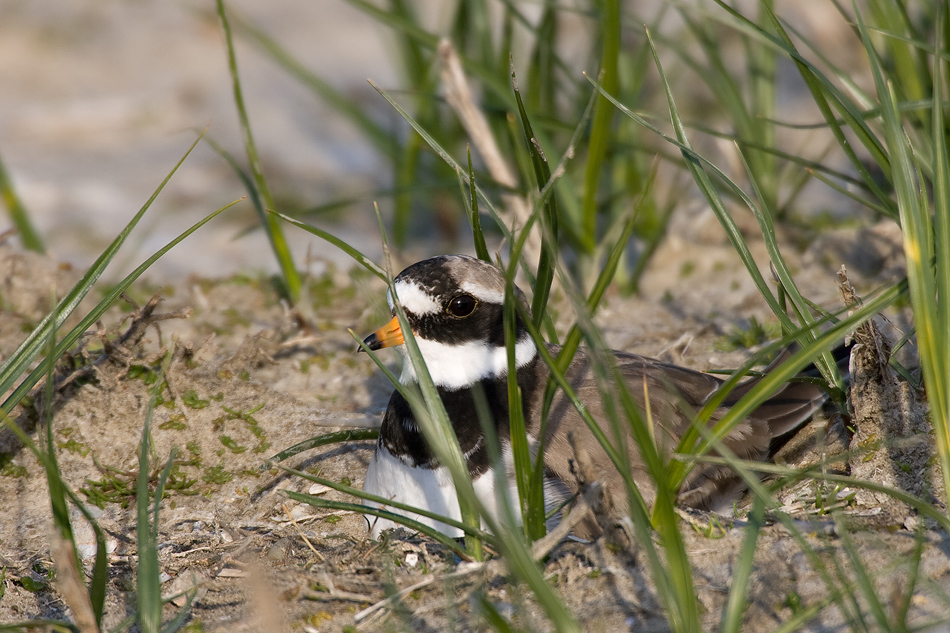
(453, 304)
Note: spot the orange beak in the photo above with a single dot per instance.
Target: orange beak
(387, 336)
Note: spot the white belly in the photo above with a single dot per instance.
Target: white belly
(425, 488)
(433, 490)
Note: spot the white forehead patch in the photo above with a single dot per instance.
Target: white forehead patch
(482, 293)
(414, 298)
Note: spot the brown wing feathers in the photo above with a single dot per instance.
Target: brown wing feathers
(676, 394)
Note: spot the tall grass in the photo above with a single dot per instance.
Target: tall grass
(920, 172)
(258, 187)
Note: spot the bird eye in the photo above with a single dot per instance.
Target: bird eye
(461, 306)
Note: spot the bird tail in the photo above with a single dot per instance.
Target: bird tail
(785, 412)
(792, 405)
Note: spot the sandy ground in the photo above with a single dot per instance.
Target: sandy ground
(245, 381)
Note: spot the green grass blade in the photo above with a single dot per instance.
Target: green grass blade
(481, 248)
(64, 552)
(433, 420)
(273, 228)
(397, 21)
(54, 477)
(445, 156)
(549, 215)
(148, 583)
(742, 571)
(941, 168)
(87, 321)
(607, 273)
(339, 437)
(530, 488)
(410, 524)
(454, 165)
(14, 366)
(841, 588)
(863, 581)
(58, 493)
(371, 195)
(503, 499)
(495, 620)
(357, 256)
(178, 622)
(496, 83)
(557, 374)
(750, 472)
(941, 204)
(573, 339)
(532, 498)
(160, 492)
(675, 579)
(697, 162)
(407, 166)
(544, 59)
(762, 71)
(148, 574)
(472, 27)
(910, 75)
(518, 559)
(913, 576)
(787, 285)
(844, 190)
(30, 239)
(415, 64)
(241, 174)
(808, 165)
(417, 59)
(602, 123)
(920, 251)
(438, 431)
(100, 569)
(695, 166)
(729, 94)
(389, 503)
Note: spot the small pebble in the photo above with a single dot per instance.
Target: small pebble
(319, 489)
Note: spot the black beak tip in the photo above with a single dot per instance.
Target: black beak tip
(371, 342)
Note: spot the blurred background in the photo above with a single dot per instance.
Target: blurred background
(100, 99)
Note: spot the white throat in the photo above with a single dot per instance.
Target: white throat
(459, 366)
